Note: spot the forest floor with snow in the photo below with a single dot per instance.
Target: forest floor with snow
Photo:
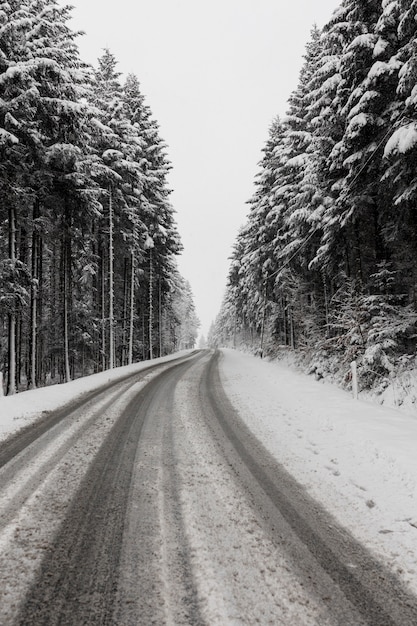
(355, 457)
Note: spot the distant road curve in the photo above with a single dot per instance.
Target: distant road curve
(150, 502)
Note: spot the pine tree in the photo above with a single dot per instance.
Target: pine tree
(41, 79)
(156, 212)
(332, 219)
(82, 185)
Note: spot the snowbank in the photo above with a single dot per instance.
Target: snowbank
(16, 411)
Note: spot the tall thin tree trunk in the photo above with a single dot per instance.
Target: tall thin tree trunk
(66, 321)
(292, 329)
(11, 383)
(95, 249)
(66, 267)
(22, 249)
(150, 303)
(132, 307)
(123, 357)
(284, 320)
(111, 286)
(40, 343)
(34, 298)
(19, 349)
(263, 322)
(358, 256)
(33, 330)
(143, 337)
(160, 317)
(326, 306)
(103, 310)
(11, 371)
(54, 306)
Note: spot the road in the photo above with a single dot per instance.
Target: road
(150, 502)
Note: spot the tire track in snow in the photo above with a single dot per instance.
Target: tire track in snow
(163, 592)
(371, 589)
(183, 519)
(16, 443)
(79, 575)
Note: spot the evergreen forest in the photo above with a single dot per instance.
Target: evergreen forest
(325, 267)
(88, 239)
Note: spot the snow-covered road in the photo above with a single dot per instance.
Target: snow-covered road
(161, 499)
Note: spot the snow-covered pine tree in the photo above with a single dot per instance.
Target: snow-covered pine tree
(398, 192)
(364, 210)
(118, 173)
(42, 83)
(15, 86)
(64, 207)
(183, 309)
(297, 198)
(349, 38)
(64, 135)
(155, 210)
(341, 209)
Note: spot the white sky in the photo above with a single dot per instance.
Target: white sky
(214, 74)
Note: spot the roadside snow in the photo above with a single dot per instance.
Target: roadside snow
(18, 410)
(358, 459)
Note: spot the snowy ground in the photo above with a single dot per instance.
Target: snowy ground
(357, 458)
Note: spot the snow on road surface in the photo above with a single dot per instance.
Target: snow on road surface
(356, 458)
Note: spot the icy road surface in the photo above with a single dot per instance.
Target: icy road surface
(150, 501)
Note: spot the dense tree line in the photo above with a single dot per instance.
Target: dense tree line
(327, 261)
(88, 278)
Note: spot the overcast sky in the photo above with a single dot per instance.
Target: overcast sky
(214, 74)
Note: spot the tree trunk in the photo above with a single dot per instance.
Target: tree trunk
(326, 306)
(103, 308)
(54, 278)
(111, 286)
(143, 337)
(66, 323)
(123, 358)
(66, 265)
(22, 250)
(11, 370)
(160, 318)
(11, 381)
(284, 321)
(40, 368)
(132, 307)
(19, 350)
(150, 303)
(263, 322)
(359, 274)
(34, 297)
(292, 328)
(95, 249)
